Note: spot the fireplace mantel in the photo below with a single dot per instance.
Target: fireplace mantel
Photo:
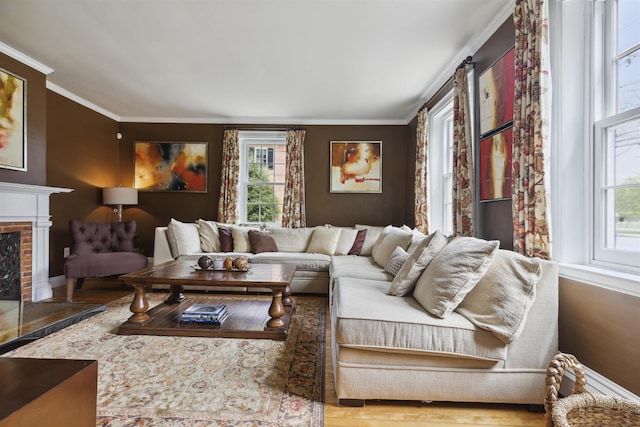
(30, 203)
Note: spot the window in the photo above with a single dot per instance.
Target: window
(616, 151)
(441, 165)
(262, 174)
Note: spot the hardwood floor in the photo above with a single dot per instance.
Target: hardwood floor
(374, 413)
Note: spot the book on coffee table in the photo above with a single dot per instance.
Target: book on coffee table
(208, 309)
(211, 320)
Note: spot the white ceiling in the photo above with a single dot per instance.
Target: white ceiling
(249, 61)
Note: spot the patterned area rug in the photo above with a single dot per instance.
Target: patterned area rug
(183, 381)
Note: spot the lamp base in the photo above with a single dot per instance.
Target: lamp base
(118, 211)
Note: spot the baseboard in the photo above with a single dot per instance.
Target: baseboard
(596, 384)
(57, 281)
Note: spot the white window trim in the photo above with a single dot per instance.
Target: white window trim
(437, 117)
(571, 182)
(244, 139)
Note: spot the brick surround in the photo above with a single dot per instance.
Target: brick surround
(26, 249)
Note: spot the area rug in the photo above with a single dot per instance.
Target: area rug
(184, 381)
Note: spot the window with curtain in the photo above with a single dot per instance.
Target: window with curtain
(262, 177)
(441, 164)
(616, 150)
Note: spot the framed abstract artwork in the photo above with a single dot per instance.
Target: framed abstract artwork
(496, 86)
(356, 167)
(170, 166)
(495, 165)
(13, 129)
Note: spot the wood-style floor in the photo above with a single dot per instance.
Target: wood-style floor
(374, 413)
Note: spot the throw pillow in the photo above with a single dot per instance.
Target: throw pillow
(418, 260)
(346, 241)
(452, 274)
(417, 237)
(501, 300)
(226, 239)
(324, 240)
(262, 241)
(356, 249)
(395, 261)
(373, 233)
(241, 238)
(388, 241)
(184, 238)
(209, 236)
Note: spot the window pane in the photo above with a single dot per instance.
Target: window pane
(629, 81)
(628, 24)
(624, 143)
(623, 227)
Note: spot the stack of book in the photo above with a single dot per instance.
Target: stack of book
(205, 313)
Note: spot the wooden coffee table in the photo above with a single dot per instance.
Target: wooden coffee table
(248, 318)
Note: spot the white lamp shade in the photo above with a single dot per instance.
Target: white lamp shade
(120, 196)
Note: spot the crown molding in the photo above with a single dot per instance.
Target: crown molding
(27, 60)
(262, 121)
(60, 91)
(472, 47)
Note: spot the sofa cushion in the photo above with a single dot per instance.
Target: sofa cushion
(103, 264)
(346, 241)
(357, 266)
(184, 238)
(209, 236)
(396, 261)
(367, 317)
(303, 261)
(502, 298)
(390, 238)
(262, 241)
(452, 273)
(358, 243)
(292, 239)
(418, 260)
(324, 240)
(373, 233)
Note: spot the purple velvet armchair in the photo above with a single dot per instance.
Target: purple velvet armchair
(100, 249)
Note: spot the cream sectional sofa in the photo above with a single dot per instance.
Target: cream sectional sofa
(415, 317)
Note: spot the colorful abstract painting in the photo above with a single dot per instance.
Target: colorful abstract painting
(496, 90)
(356, 167)
(170, 166)
(13, 140)
(495, 166)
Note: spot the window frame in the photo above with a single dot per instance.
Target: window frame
(441, 114)
(245, 139)
(605, 116)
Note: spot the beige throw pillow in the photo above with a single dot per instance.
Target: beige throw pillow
(324, 240)
(184, 238)
(241, 242)
(453, 273)
(501, 300)
(391, 238)
(345, 243)
(209, 236)
(373, 233)
(418, 260)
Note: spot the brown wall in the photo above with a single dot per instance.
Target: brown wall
(36, 124)
(600, 327)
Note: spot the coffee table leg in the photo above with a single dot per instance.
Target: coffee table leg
(286, 296)
(276, 310)
(139, 306)
(176, 295)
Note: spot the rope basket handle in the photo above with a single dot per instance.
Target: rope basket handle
(557, 367)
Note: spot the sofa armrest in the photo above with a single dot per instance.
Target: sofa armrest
(161, 248)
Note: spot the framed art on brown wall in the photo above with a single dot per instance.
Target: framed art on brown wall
(496, 86)
(495, 165)
(356, 167)
(13, 122)
(170, 166)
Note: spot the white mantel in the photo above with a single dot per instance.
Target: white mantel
(30, 203)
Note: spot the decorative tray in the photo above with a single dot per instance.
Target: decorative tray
(197, 267)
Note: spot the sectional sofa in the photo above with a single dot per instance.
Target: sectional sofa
(413, 316)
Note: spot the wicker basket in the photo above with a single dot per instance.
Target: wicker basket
(583, 408)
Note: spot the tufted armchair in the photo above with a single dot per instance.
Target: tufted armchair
(101, 249)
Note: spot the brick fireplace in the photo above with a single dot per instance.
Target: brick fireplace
(25, 209)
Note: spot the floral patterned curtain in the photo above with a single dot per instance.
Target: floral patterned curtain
(463, 183)
(228, 204)
(421, 201)
(531, 130)
(294, 215)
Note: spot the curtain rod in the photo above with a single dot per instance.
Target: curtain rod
(468, 60)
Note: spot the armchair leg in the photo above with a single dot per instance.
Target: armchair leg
(71, 284)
